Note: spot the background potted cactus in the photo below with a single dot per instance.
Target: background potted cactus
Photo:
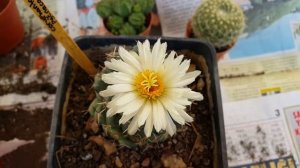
(126, 17)
(218, 21)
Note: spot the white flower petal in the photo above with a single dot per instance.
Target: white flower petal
(169, 59)
(126, 118)
(133, 126)
(116, 89)
(120, 66)
(194, 96)
(110, 112)
(184, 66)
(106, 93)
(172, 111)
(131, 107)
(182, 101)
(184, 115)
(112, 104)
(149, 125)
(171, 127)
(158, 54)
(129, 59)
(117, 78)
(145, 112)
(159, 120)
(183, 82)
(145, 54)
(126, 98)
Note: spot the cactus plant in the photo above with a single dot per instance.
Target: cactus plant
(122, 7)
(131, 94)
(127, 29)
(218, 21)
(125, 17)
(115, 22)
(104, 8)
(111, 126)
(137, 19)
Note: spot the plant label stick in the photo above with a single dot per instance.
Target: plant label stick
(39, 8)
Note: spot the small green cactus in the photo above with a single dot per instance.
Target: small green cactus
(127, 29)
(146, 5)
(218, 21)
(122, 7)
(111, 126)
(137, 19)
(114, 22)
(125, 17)
(137, 8)
(104, 8)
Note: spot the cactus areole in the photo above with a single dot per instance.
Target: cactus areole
(218, 21)
(143, 93)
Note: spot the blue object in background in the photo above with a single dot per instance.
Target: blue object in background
(275, 38)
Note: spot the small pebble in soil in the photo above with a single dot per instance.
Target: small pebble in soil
(200, 84)
(87, 157)
(102, 166)
(135, 165)
(173, 161)
(118, 162)
(146, 162)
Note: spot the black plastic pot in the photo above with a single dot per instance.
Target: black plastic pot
(197, 46)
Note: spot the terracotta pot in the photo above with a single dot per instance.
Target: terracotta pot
(220, 53)
(146, 32)
(11, 29)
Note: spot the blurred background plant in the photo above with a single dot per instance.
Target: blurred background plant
(125, 17)
(218, 21)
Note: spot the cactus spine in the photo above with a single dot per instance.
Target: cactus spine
(218, 21)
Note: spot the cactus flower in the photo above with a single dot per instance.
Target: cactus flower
(150, 88)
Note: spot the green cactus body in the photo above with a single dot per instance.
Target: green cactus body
(124, 17)
(104, 8)
(218, 21)
(137, 8)
(127, 29)
(114, 22)
(137, 20)
(111, 126)
(146, 5)
(122, 7)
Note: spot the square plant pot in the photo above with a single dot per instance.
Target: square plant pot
(210, 71)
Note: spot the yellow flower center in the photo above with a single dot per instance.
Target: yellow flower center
(149, 84)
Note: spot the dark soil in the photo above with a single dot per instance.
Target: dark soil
(21, 88)
(194, 144)
(25, 125)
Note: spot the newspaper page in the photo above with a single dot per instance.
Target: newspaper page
(260, 83)
(174, 15)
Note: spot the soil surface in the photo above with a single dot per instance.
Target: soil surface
(192, 146)
(25, 125)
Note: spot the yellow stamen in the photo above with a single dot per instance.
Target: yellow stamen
(149, 84)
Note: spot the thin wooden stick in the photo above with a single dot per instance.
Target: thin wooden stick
(40, 9)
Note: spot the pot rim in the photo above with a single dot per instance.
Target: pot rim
(7, 5)
(88, 41)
